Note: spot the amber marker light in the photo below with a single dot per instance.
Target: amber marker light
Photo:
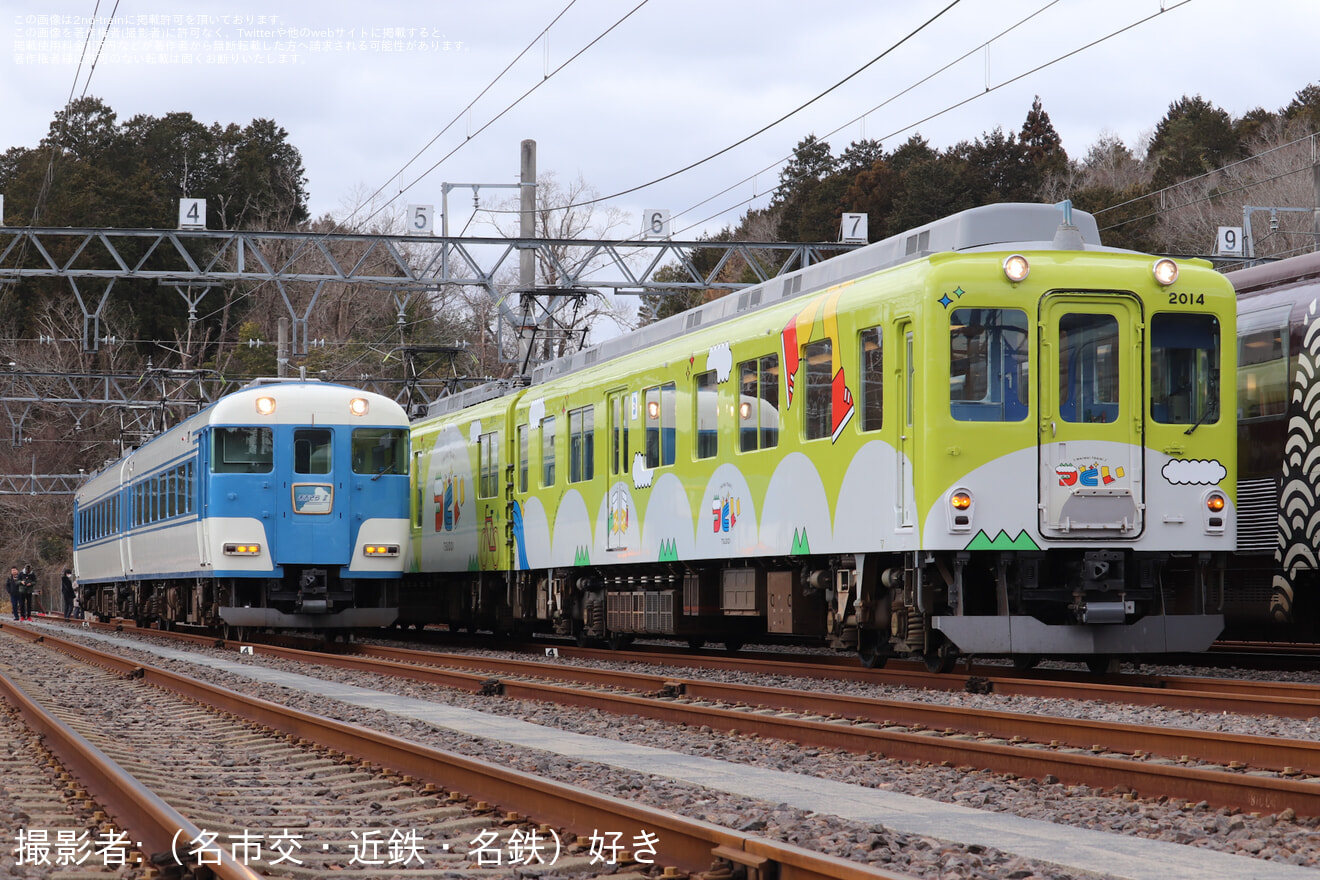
(1166, 271)
(265, 405)
(1215, 503)
(242, 549)
(381, 549)
(961, 500)
(1016, 268)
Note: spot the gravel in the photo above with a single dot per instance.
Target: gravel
(1283, 838)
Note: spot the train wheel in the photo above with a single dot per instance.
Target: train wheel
(733, 645)
(696, 643)
(941, 660)
(1102, 664)
(1025, 662)
(619, 641)
(869, 650)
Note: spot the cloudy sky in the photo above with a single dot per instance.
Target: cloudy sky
(392, 99)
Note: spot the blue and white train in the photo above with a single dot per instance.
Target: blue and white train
(282, 505)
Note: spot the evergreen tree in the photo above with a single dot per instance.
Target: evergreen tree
(1044, 147)
(1193, 137)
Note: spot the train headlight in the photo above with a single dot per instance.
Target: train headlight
(242, 549)
(265, 405)
(653, 409)
(379, 550)
(745, 410)
(1016, 268)
(1166, 271)
(358, 406)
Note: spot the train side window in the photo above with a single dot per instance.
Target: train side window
(548, 451)
(988, 365)
(581, 444)
(707, 414)
(872, 376)
(1263, 373)
(312, 450)
(818, 420)
(242, 451)
(1184, 367)
(488, 457)
(380, 451)
(661, 412)
(522, 458)
(758, 404)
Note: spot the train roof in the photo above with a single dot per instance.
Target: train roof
(1259, 279)
(1004, 226)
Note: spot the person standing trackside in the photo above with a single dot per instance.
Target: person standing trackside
(27, 585)
(12, 586)
(66, 592)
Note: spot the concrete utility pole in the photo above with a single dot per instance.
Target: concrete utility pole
(526, 230)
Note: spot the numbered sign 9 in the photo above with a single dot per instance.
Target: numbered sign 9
(655, 223)
(421, 219)
(1230, 241)
(192, 213)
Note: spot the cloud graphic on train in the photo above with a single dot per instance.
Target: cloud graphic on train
(720, 359)
(642, 475)
(1198, 472)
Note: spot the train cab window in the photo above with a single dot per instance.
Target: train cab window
(242, 451)
(707, 414)
(488, 459)
(522, 458)
(758, 404)
(819, 416)
(1088, 368)
(1263, 373)
(312, 450)
(548, 451)
(661, 415)
(872, 379)
(581, 444)
(988, 365)
(1184, 368)
(380, 451)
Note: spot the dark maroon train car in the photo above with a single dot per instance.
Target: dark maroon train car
(1278, 560)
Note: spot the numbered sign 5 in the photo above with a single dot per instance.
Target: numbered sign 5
(655, 223)
(421, 219)
(192, 213)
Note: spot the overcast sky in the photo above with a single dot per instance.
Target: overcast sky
(363, 88)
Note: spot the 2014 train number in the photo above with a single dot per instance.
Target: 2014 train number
(1186, 299)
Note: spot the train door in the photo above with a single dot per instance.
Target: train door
(619, 499)
(907, 440)
(315, 507)
(1092, 416)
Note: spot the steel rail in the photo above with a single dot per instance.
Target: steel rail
(689, 844)
(153, 823)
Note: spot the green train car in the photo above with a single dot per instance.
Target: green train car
(986, 436)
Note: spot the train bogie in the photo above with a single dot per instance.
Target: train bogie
(938, 444)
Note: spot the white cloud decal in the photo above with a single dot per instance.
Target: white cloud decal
(1198, 472)
(474, 431)
(642, 475)
(536, 412)
(720, 359)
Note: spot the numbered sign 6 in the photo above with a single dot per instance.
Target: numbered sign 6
(655, 223)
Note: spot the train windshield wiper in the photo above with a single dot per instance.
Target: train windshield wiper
(1213, 409)
(389, 469)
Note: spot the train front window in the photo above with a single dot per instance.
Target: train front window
(380, 451)
(1184, 369)
(1088, 368)
(312, 450)
(988, 365)
(242, 451)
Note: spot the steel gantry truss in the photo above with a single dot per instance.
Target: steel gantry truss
(194, 262)
(93, 261)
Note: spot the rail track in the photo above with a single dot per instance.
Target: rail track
(176, 761)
